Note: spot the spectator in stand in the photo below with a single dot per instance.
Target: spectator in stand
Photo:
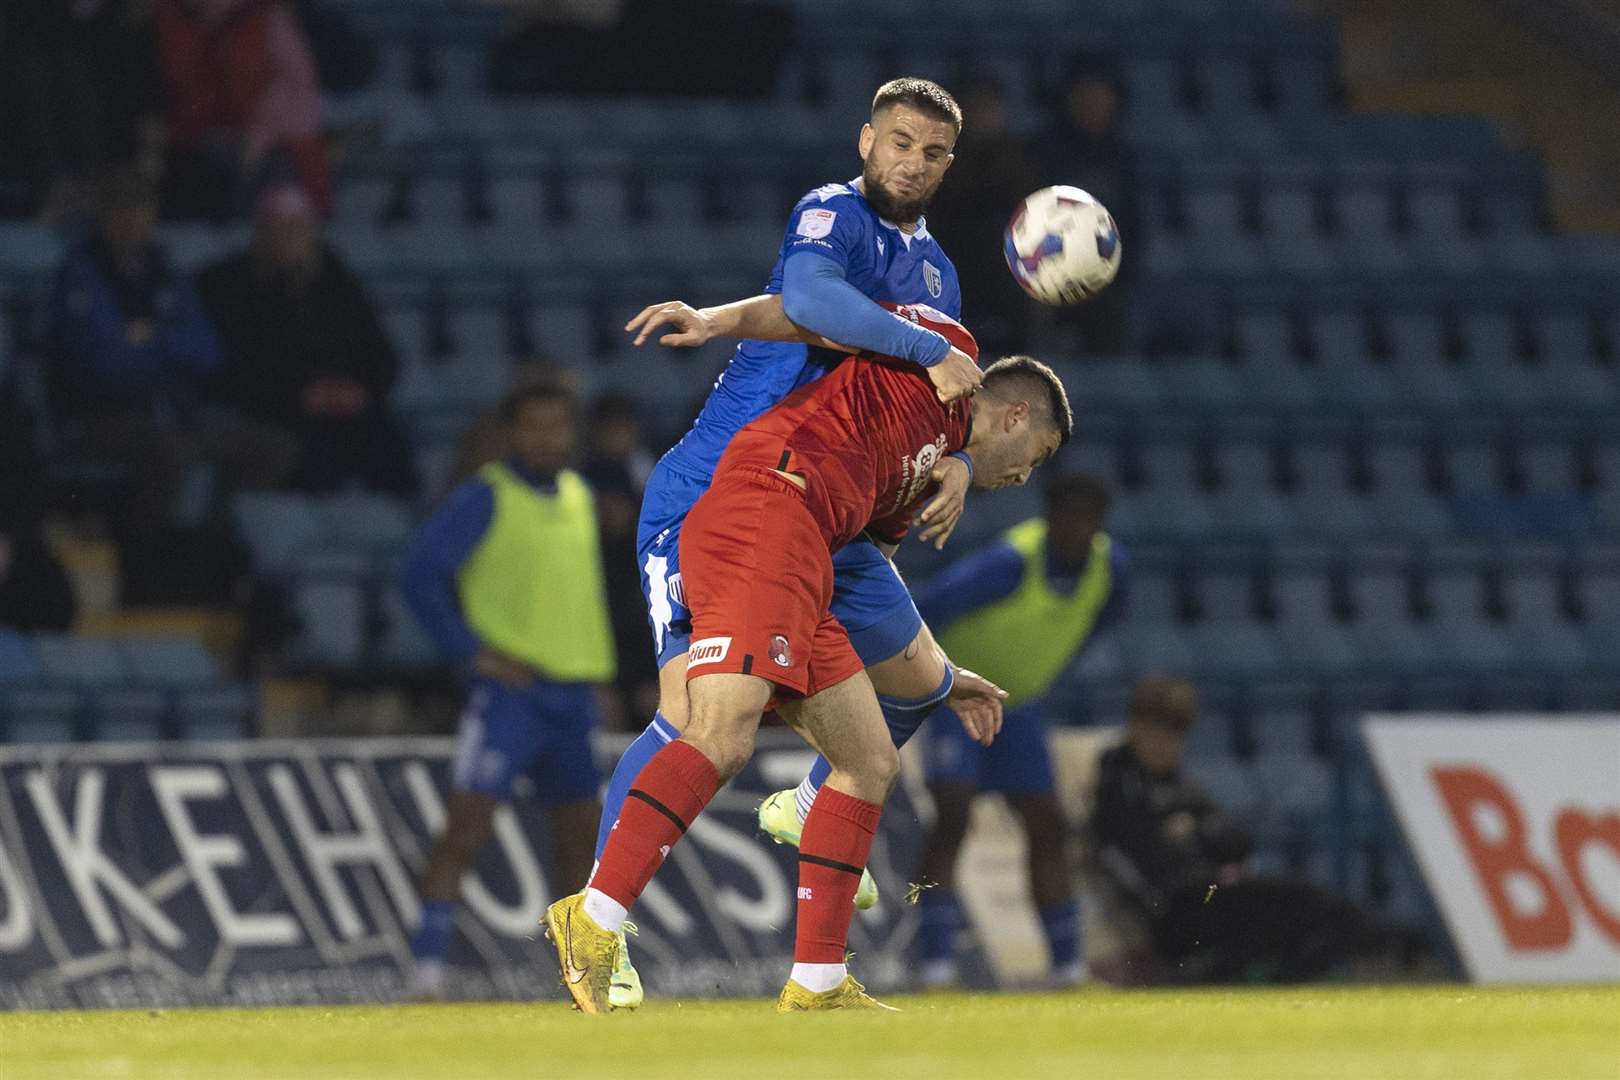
(1083, 147)
(244, 105)
(1168, 855)
(36, 595)
(617, 464)
(992, 170)
(306, 357)
(132, 348)
(79, 90)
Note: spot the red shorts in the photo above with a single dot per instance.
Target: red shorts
(758, 579)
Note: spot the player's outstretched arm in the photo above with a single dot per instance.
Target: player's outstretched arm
(759, 317)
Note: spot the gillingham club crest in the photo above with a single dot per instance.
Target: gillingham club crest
(931, 278)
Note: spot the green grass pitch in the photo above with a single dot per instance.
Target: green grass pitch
(1464, 1033)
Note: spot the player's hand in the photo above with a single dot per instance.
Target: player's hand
(977, 703)
(940, 516)
(956, 376)
(692, 327)
(510, 673)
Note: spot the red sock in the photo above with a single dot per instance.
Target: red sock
(671, 790)
(832, 853)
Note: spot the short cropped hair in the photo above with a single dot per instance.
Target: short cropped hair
(1080, 489)
(1027, 376)
(926, 97)
(545, 390)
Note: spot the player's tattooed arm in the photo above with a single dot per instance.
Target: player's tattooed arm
(759, 317)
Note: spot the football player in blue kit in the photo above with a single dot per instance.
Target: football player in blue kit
(848, 246)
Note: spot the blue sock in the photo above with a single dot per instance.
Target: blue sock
(941, 917)
(1061, 925)
(432, 941)
(904, 717)
(658, 734)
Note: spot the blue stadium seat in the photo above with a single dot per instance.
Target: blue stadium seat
(280, 530)
(479, 330)
(1436, 211)
(169, 661)
(1383, 622)
(83, 662)
(1240, 648)
(41, 714)
(1326, 504)
(1123, 381)
(1227, 84)
(563, 330)
(223, 712)
(20, 661)
(329, 598)
(1236, 786)
(1150, 84)
(131, 715)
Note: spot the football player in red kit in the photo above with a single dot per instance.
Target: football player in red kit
(849, 453)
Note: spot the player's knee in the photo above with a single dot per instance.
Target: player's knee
(882, 768)
(727, 740)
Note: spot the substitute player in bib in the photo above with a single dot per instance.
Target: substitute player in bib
(506, 577)
(850, 453)
(1025, 608)
(848, 247)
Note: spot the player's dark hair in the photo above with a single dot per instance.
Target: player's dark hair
(1027, 376)
(1077, 489)
(545, 390)
(926, 97)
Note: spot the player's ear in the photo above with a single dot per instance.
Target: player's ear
(868, 137)
(1017, 414)
(948, 159)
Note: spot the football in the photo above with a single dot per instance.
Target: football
(1062, 245)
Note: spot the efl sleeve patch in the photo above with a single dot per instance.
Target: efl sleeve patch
(816, 222)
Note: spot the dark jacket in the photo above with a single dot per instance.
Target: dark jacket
(1156, 835)
(278, 340)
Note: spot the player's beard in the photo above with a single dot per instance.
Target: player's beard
(892, 207)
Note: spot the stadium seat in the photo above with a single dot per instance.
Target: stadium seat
(83, 662)
(280, 530)
(41, 714)
(329, 598)
(129, 715)
(20, 660)
(169, 661)
(224, 712)
(1237, 787)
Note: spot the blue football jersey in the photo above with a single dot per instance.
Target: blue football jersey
(836, 222)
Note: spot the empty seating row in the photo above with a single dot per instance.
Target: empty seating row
(55, 714)
(154, 662)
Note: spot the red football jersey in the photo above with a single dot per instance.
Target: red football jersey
(865, 437)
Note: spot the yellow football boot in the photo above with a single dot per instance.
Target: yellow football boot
(624, 992)
(586, 953)
(779, 820)
(848, 994)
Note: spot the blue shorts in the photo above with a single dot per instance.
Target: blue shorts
(543, 732)
(869, 599)
(1019, 762)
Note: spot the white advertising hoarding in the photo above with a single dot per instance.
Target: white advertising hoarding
(1515, 822)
